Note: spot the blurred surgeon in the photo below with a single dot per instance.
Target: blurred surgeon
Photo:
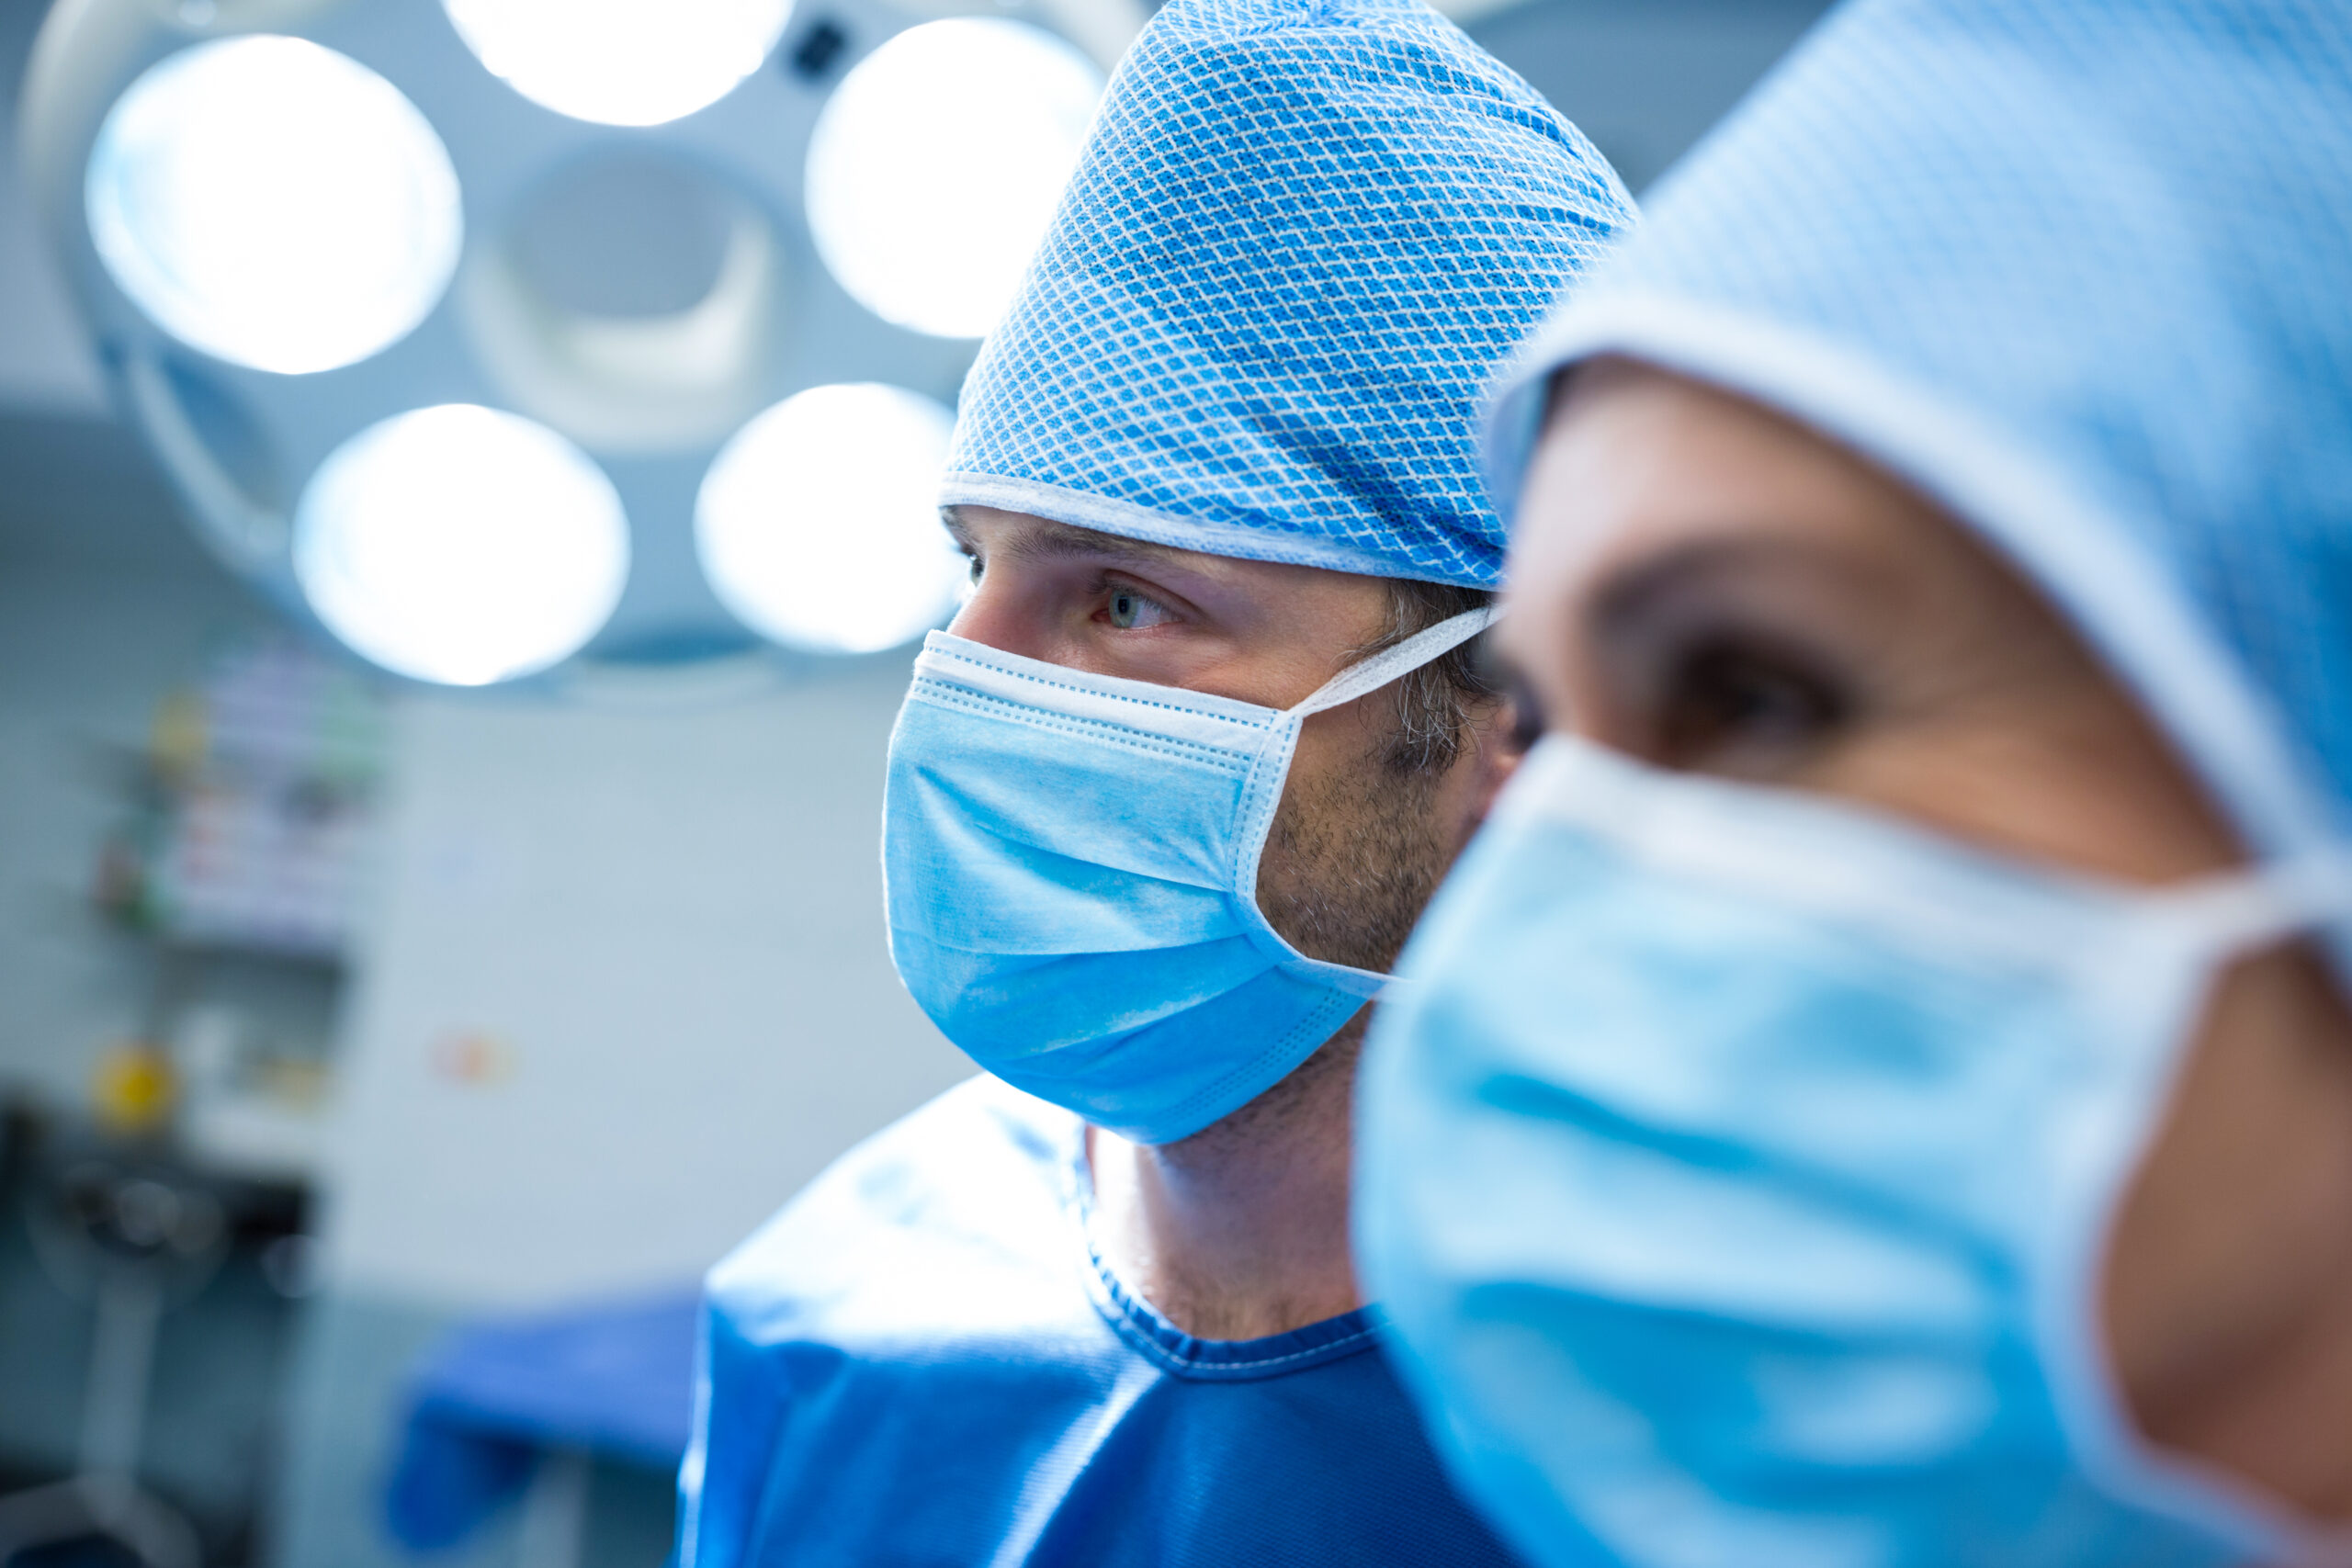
(1162, 806)
(1881, 1092)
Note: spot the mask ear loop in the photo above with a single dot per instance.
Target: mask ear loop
(2260, 906)
(1371, 674)
(1366, 675)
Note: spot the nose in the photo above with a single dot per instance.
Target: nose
(1004, 613)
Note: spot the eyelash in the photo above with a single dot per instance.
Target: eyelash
(1735, 702)
(1105, 587)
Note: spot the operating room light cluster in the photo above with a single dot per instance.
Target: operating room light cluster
(278, 205)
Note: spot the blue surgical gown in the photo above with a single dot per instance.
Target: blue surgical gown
(922, 1360)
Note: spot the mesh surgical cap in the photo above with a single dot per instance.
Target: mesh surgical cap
(1302, 237)
(2082, 274)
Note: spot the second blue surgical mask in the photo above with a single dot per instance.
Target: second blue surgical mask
(1736, 1171)
(1071, 866)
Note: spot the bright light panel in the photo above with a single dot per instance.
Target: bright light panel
(461, 544)
(621, 61)
(818, 523)
(275, 204)
(935, 168)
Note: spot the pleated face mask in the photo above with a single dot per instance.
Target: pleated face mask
(1737, 1170)
(1071, 867)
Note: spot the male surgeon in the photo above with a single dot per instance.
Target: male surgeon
(1160, 808)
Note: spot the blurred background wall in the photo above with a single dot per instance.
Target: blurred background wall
(615, 986)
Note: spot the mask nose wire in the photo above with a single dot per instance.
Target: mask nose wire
(1371, 674)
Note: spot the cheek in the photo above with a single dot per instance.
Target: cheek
(2079, 784)
(1356, 847)
(2234, 1244)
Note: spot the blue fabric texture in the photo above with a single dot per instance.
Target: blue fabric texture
(1302, 237)
(2083, 273)
(920, 1360)
(615, 1379)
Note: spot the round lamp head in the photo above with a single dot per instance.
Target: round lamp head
(461, 544)
(935, 168)
(819, 524)
(621, 61)
(275, 204)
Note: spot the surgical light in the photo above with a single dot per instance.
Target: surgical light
(274, 203)
(935, 168)
(818, 525)
(621, 61)
(461, 544)
(258, 204)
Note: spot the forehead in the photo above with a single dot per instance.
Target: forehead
(1025, 534)
(1649, 488)
(1210, 581)
(1627, 445)
(1638, 468)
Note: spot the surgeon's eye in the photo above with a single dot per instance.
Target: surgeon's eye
(1130, 610)
(1526, 723)
(1743, 707)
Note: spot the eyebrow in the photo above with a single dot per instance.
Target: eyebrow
(1631, 593)
(1043, 539)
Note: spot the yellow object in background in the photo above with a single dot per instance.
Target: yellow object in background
(134, 1088)
(181, 735)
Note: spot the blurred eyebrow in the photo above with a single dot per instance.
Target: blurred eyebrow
(1041, 539)
(1658, 584)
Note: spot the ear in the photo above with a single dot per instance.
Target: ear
(1497, 774)
(1496, 751)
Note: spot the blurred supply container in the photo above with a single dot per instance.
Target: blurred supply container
(255, 823)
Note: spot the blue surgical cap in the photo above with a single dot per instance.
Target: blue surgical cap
(2082, 272)
(1302, 237)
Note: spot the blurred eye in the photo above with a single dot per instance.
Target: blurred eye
(1527, 723)
(1737, 706)
(1129, 610)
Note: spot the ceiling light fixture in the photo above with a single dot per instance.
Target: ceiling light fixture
(818, 523)
(461, 544)
(937, 165)
(274, 203)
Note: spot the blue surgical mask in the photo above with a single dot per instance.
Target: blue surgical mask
(1735, 1170)
(1071, 866)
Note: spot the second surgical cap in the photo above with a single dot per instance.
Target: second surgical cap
(2082, 274)
(1302, 237)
